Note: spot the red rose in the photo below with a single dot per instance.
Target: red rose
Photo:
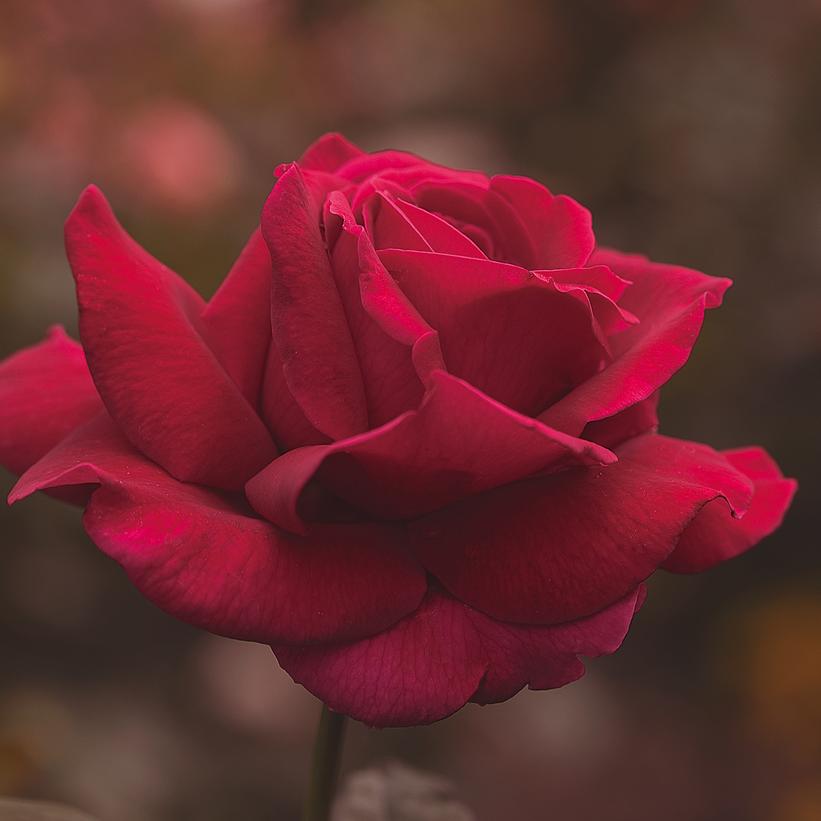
(416, 454)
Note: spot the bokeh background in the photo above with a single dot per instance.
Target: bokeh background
(693, 132)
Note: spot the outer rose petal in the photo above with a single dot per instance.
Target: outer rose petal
(670, 302)
(200, 557)
(140, 327)
(714, 536)
(237, 320)
(459, 442)
(560, 229)
(557, 548)
(45, 392)
(445, 654)
(310, 330)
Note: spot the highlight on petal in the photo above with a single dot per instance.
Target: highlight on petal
(551, 549)
(202, 558)
(714, 536)
(458, 443)
(310, 329)
(445, 654)
(141, 330)
(46, 392)
(669, 302)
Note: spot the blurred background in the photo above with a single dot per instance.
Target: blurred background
(693, 132)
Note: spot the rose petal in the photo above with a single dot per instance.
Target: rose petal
(515, 336)
(475, 204)
(553, 549)
(141, 331)
(310, 330)
(197, 555)
(443, 655)
(439, 235)
(459, 442)
(395, 347)
(633, 421)
(714, 536)
(329, 153)
(285, 418)
(237, 320)
(670, 302)
(45, 392)
(391, 228)
(559, 228)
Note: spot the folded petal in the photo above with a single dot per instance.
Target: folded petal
(202, 558)
(459, 442)
(669, 302)
(445, 654)
(141, 331)
(518, 337)
(395, 347)
(285, 418)
(714, 536)
(45, 392)
(633, 421)
(389, 226)
(439, 235)
(310, 329)
(474, 204)
(557, 548)
(237, 320)
(559, 228)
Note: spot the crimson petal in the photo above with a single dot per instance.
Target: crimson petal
(329, 153)
(552, 549)
(520, 338)
(669, 302)
(559, 228)
(141, 330)
(459, 442)
(714, 536)
(45, 392)
(200, 557)
(310, 330)
(237, 319)
(445, 654)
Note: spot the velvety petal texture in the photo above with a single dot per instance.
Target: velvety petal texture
(140, 326)
(411, 442)
(433, 662)
(45, 392)
(714, 537)
(200, 556)
(560, 547)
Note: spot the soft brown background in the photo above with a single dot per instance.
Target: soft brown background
(693, 131)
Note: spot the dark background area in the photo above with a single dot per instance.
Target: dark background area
(693, 132)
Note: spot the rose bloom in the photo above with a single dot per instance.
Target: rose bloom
(410, 442)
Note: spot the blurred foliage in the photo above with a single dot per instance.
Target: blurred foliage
(691, 129)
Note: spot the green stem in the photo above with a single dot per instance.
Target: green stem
(327, 754)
